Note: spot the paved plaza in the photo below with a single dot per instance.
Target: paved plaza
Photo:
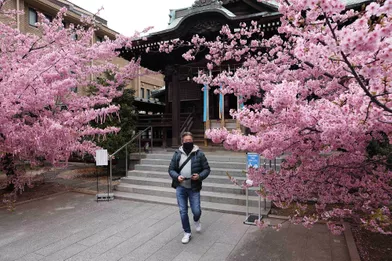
(72, 226)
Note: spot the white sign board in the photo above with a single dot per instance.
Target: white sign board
(101, 157)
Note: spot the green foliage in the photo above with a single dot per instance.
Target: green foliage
(125, 120)
(379, 147)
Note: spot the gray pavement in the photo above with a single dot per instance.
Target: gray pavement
(73, 226)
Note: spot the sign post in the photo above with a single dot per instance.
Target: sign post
(252, 161)
(101, 159)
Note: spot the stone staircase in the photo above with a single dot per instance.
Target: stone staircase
(150, 182)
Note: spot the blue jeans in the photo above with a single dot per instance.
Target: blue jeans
(182, 200)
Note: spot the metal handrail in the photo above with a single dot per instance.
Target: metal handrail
(136, 136)
(139, 135)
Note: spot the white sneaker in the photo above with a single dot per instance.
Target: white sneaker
(198, 226)
(186, 238)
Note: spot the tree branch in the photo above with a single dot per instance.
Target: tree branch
(353, 71)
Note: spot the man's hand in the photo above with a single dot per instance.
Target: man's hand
(181, 179)
(195, 176)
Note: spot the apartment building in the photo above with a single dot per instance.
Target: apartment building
(143, 85)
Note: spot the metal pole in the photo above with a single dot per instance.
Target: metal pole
(275, 164)
(96, 172)
(126, 160)
(140, 147)
(152, 139)
(260, 202)
(247, 204)
(111, 175)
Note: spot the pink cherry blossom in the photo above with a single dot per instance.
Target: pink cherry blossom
(42, 117)
(325, 86)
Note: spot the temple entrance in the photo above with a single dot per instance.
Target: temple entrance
(229, 103)
(182, 96)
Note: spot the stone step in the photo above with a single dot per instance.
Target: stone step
(213, 164)
(166, 182)
(219, 179)
(210, 157)
(222, 156)
(207, 196)
(225, 208)
(214, 171)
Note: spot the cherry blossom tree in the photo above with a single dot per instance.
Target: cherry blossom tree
(324, 85)
(42, 116)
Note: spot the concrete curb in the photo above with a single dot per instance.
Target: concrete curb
(39, 198)
(352, 247)
(278, 217)
(287, 218)
(84, 191)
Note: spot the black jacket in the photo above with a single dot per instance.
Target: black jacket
(199, 165)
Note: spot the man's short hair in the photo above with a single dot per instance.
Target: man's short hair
(187, 133)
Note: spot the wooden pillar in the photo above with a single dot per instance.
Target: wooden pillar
(222, 109)
(207, 125)
(164, 137)
(176, 102)
(167, 83)
(240, 106)
(226, 105)
(206, 112)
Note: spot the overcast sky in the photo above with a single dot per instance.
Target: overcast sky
(127, 16)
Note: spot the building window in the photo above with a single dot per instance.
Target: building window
(74, 36)
(33, 17)
(148, 94)
(142, 92)
(99, 39)
(49, 17)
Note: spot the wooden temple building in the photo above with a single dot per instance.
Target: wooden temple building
(185, 106)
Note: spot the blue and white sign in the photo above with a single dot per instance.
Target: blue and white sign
(253, 160)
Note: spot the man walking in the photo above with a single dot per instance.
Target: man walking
(188, 168)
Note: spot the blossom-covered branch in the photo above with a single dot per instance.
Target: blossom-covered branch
(325, 83)
(42, 117)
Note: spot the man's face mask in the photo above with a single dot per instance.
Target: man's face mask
(187, 146)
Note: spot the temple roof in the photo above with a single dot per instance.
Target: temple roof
(206, 18)
(232, 10)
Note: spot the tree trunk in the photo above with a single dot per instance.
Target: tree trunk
(8, 166)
